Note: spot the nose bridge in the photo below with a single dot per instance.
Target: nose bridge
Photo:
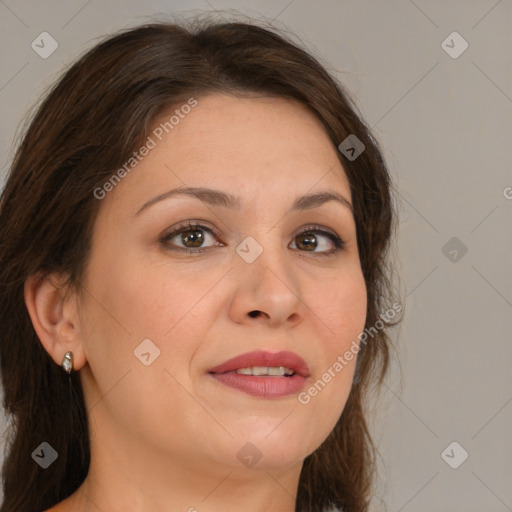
(264, 251)
(268, 284)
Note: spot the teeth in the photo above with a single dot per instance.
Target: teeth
(277, 371)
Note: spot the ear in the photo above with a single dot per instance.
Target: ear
(55, 319)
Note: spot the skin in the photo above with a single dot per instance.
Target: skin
(165, 437)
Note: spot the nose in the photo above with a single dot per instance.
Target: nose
(267, 292)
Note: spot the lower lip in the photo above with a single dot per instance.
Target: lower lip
(262, 386)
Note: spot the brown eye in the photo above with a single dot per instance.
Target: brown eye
(193, 237)
(190, 238)
(307, 241)
(313, 237)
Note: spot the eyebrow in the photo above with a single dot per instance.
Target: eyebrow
(218, 198)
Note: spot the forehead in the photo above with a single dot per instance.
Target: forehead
(246, 146)
(232, 126)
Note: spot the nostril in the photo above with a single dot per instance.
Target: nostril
(254, 314)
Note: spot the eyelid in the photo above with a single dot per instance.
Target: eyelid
(315, 227)
(195, 223)
(190, 224)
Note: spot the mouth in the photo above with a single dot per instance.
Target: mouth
(263, 374)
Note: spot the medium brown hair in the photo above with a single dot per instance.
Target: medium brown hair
(88, 125)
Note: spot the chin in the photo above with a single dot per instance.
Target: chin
(270, 448)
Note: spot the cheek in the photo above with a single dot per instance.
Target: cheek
(341, 305)
(348, 321)
(131, 302)
(144, 300)
(172, 309)
(342, 309)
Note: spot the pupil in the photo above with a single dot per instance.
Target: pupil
(196, 238)
(308, 241)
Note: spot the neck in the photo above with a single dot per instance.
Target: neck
(144, 480)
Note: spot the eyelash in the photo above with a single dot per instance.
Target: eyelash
(189, 225)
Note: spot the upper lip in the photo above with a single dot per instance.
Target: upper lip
(264, 358)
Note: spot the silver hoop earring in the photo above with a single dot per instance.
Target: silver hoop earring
(67, 362)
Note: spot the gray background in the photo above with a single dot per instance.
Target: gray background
(445, 126)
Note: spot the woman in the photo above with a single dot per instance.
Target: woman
(194, 237)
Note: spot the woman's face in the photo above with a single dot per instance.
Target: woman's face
(259, 284)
